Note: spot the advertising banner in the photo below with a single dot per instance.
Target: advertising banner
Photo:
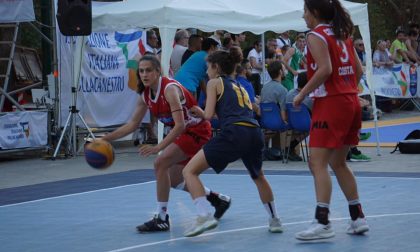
(402, 81)
(23, 129)
(106, 90)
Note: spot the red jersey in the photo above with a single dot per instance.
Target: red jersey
(343, 77)
(160, 108)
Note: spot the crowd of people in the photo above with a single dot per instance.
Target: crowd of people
(215, 75)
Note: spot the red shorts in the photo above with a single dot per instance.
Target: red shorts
(193, 139)
(336, 121)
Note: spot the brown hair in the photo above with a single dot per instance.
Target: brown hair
(332, 11)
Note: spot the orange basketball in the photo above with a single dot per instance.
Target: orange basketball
(99, 154)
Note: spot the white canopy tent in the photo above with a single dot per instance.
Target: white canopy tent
(234, 16)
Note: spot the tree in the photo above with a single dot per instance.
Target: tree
(386, 16)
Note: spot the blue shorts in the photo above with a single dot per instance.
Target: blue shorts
(236, 142)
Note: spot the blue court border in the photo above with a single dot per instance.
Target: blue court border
(21, 194)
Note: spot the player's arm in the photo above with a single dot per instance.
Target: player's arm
(321, 55)
(172, 96)
(132, 125)
(211, 98)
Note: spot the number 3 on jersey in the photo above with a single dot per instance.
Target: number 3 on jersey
(243, 98)
(345, 56)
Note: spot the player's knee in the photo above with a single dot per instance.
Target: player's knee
(160, 165)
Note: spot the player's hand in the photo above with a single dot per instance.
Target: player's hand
(196, 112)
(147, 150)
(298, 100)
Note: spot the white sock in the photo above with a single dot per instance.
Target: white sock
(271, 209)
(203, 206)
(162, 209)
(354, 202)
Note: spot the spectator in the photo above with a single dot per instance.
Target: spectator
(399, 49)
(218, 35)
(415, 27)
(381, 59)
(237, 39)
(412, 46)
(255, 58)
(181, 43)
(293, 58)
(302, 79)
(360, 50)
(227, 44)
(193, 71)
(388, 48)
(283, 39)
(274, 91)
(194, 45)
(243, 70)
(152, 44)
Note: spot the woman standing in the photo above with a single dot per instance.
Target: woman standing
(333, 72)
(240, 138)
(170, 102)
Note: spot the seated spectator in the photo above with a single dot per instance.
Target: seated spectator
(302, 79)
(381, 60)
(399, 49)
(274, 91)
(243, 70)
(412, 46)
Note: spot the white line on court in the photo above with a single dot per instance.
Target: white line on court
(153, 181)
(76, 194)
(249, 228)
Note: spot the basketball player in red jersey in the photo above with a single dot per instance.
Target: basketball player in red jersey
(333, 72)
(170, 102)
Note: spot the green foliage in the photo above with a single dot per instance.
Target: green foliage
(385, 16)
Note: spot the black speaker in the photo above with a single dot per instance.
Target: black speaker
(74, 17)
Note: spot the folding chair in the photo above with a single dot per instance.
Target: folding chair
(271, 120)
(300, 122)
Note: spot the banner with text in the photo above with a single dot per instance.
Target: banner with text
(23, 129)
(106, 91)
(402, 81)
(12, 11)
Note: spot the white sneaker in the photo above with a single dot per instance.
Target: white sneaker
(202, 224)
(274, 225)
(358, 226)
(316, 231)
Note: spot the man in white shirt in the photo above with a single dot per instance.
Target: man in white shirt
(283, 39)
(181, 43)
(255, 58)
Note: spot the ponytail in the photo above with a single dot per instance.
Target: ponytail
(342, 24)
(332, 11)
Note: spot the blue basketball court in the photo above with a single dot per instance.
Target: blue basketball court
(100, 213)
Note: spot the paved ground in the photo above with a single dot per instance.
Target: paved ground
(29, 168)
